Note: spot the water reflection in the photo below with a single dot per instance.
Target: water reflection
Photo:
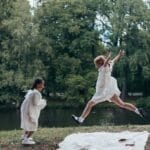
(62, 118)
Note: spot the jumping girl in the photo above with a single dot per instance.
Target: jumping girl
(106, 88)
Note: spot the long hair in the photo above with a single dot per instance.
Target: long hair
(36, 82)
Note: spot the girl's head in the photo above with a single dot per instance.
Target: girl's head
(99, 61)
(38, 84)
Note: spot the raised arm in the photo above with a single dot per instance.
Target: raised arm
(107, 59)
(119, 55)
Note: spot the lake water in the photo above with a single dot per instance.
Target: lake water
(10, 120)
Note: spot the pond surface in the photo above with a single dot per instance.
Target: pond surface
(10, 120)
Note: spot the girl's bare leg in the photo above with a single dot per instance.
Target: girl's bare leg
(119, 102)
(26, 133)
(29, 134)
(85, 112)
(87, 109)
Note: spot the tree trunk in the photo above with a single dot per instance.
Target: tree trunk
(124, 84)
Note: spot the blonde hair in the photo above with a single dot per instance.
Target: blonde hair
(100, 57)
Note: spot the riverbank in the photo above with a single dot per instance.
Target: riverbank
(61, 103)
(66, 104)
(48, 138)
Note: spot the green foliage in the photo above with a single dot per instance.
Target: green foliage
(76, 86)
(144, 102)
(80, 89)
(68, 26)
(18, 58)
(127, 27)
(60, 41)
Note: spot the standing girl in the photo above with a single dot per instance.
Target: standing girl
(106, 88)
(30, 110)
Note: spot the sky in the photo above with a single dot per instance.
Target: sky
(33, 2)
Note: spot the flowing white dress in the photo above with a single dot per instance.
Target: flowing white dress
(30, 110)
(106, 85)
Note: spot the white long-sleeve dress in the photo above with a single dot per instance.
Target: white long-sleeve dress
(106, 85)
(30, 110)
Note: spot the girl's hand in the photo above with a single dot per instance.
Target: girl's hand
(109, 55)
(121, 53)
(31, 120)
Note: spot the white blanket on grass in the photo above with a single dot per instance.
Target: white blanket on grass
(105, 141)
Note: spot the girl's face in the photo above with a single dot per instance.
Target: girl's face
(40, 86)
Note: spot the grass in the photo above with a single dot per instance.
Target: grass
(48, 138)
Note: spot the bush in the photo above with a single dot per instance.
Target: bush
(80, 88)
(144, 102)
(76, 88)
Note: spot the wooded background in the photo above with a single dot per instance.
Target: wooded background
(58, 40)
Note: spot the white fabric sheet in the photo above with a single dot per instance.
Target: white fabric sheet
(105, 141)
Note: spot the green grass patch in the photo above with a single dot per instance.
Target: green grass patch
(48, 138)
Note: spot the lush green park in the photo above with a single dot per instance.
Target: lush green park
(58, 40)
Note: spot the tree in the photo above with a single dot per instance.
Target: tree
(127, 27)
(19, 58)
(69, 28)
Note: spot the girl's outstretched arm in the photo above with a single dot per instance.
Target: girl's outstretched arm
(120, 54)
(107, 59)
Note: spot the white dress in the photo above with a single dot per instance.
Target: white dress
(106, 85)
(30, 110)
